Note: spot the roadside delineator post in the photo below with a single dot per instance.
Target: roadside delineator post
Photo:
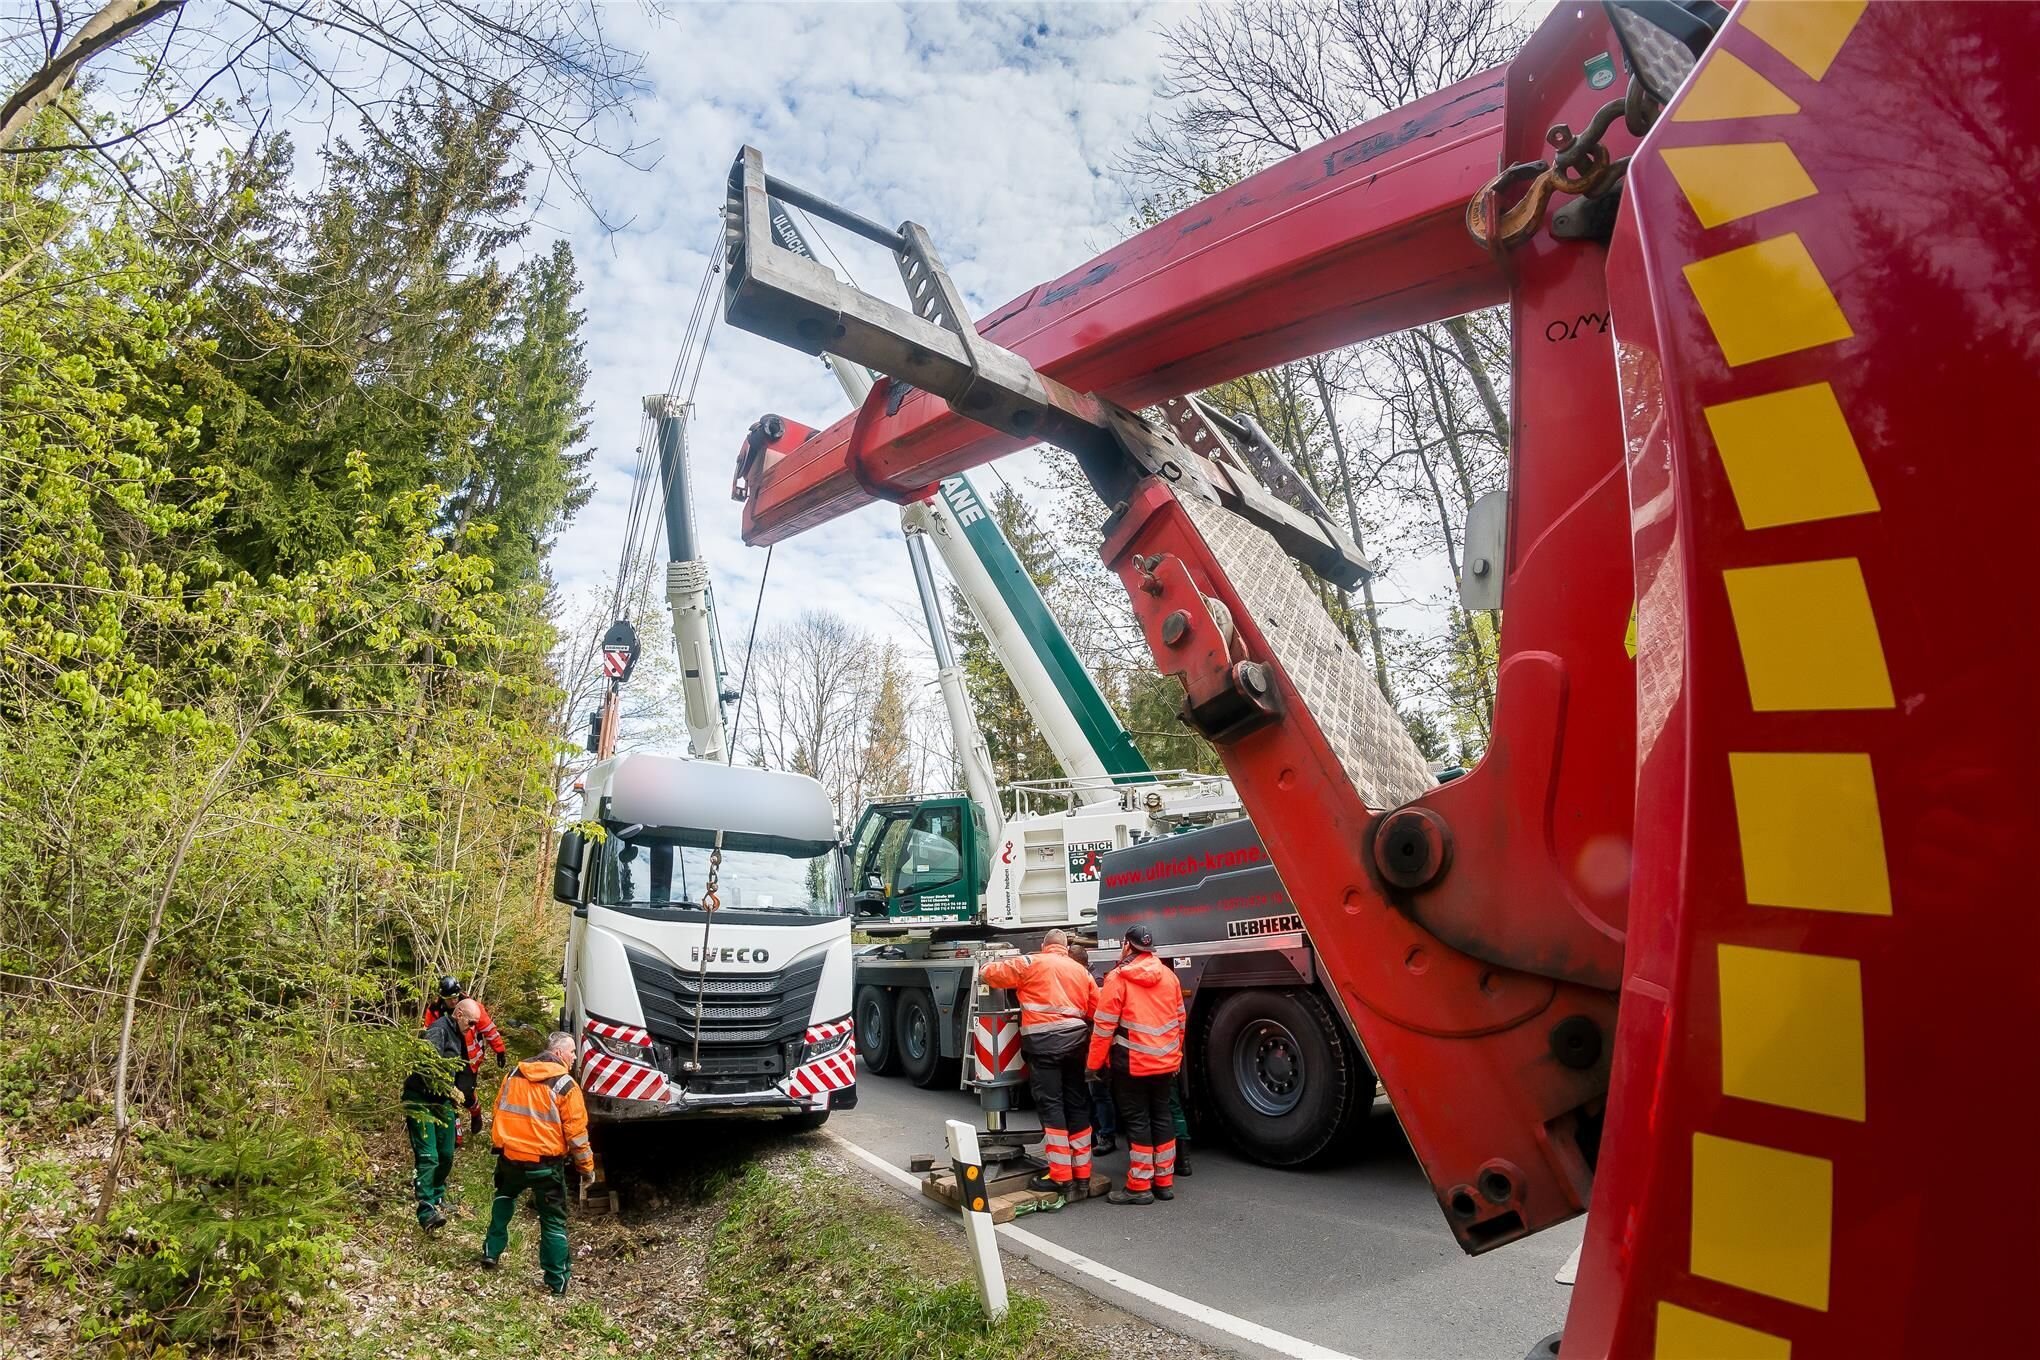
(976, 1200)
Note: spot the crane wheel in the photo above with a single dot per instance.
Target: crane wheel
(917, 1038)
(873, 1018)
(1282, 1080)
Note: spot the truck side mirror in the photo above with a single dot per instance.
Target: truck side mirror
(567, 867)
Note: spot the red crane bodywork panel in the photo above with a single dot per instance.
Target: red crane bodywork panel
(1752, 443)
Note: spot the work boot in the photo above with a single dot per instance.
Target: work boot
(486, 1261)
(1129, 1197)
(1104, 1147)
(1080, 1189)
(1044, 1181)
(1164, 1192)
(1182, 1157)
(434, 1221)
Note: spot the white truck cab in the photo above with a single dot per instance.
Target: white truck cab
(683, 1012)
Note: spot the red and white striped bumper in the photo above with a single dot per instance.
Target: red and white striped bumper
(811, 1082)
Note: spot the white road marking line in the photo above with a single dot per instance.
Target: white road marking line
(1169, 1301)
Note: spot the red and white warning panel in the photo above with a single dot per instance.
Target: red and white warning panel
(625, 1034)
(603, 1075)
(995, 1046)
(834, 1070)
(609, 1069)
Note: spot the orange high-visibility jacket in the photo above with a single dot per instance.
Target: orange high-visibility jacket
(1140, 1013)
(540, 1115)
(1057, 997)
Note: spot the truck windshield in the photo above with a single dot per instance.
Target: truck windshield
(797, 878)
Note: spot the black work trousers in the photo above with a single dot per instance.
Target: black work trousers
(1063, 1098)
(1148, 1127)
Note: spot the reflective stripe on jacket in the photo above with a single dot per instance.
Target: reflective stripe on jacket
(1056, 995)
(540, 1115)
(1140, 1012)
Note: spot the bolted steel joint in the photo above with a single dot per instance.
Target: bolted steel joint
(1175, 628)
(1412, 847)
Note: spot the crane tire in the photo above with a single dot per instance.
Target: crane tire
(873, 1019)
(1283, 1082)
(917, 1039)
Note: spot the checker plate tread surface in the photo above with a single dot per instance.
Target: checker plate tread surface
(1337, 686)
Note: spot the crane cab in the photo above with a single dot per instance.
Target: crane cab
(919, 861)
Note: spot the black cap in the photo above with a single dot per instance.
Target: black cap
(1140, 937)
(449, 985)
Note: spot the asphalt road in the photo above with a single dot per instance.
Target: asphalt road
(1353, 1256)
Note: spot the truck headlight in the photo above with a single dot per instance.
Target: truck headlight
(834, 1043)
(618, 1041)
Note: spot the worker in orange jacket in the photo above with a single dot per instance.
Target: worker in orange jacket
(1057, 998)
(1139, 1026)
(541, 1126)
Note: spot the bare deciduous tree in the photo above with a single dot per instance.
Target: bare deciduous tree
(832, 701)
(1252, 82)
(267, 63)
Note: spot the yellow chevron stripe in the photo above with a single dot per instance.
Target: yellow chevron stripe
(1727, 88)
(1766, 299)
(1738, 179)
(1790, 457)
(1792, 1029)
(1763, 1219)
(1807, 33)
(1808, 827)
(1809, 638)
(1683, 1334)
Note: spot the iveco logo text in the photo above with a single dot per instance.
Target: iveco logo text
(729, 955)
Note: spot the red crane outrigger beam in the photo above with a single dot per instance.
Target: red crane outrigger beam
(1361, 236)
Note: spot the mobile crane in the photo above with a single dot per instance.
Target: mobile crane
(1670, 948)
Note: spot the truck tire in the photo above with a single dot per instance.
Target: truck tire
(873, 1017)
(1282, 1079)
(917, 1039)
(806, 1122)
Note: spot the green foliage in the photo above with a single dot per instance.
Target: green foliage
(279, 470)
(230, 1238)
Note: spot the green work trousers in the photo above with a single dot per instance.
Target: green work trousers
(547, 1183)
(431, 1128)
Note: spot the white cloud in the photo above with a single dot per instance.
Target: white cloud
(991, 126)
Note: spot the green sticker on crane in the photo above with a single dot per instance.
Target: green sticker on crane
(1600, 71)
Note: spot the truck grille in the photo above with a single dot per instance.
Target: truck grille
(747, 1019)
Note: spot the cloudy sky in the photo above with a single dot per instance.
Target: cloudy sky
(994, 127)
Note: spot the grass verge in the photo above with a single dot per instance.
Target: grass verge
(803, 1265)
